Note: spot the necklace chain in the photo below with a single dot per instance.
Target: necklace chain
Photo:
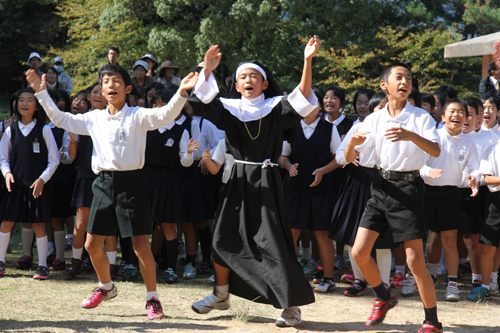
(260, 121)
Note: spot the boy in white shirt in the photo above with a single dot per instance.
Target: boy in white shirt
(491, 104)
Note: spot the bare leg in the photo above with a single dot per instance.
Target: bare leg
(221, 275)
(474, 248)
(146, 260)
(435, 246)
(361, 252)
(487, 257)
(416, 263)
(82, 220)
(158, 237)
(94, 246)
(449, 241)
(326, 252)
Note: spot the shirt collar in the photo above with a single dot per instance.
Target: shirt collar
(30, 125)
(472, 134)
(337, 121)
(448, 135)
(181, 120)
(51, 125)
(170, 125)
(311, 125)
(402, 118)
(119, 115)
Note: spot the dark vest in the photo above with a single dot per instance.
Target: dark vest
(25, 165)
(60, 176)
(340, 173)
(159, 154)
(83, 160)
(311, 154)
(189, 172)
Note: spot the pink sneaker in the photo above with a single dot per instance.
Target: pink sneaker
(348, 277)
(155, 310)
(98, 296)
(397, 281)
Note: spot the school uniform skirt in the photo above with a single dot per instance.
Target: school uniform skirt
(19, 205)
(309, 212)
(82, 193)
(207, 185)
(60, 194)
(166, 193)
(193, 199)
(350, 206)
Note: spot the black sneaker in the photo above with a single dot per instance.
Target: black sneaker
(205, 268)
(169, 277)
(113, 271)
(356, 289)
(462, 271)
(42, 273)
(380, 308)
(130, 273)
(74, 269)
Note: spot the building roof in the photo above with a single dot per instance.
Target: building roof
(473, 47)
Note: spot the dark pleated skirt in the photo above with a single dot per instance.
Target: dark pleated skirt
(166, 192)
(60, 199)
(20, 206)
(193, 198)
(207, 185)
(82, 193)
(309, 213)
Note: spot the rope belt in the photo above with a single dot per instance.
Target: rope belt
(265, 164)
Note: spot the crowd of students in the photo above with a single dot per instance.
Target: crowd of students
(131, 157)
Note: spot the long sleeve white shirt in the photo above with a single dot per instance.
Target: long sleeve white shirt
(366, 160)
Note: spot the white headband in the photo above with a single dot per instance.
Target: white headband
(253, 66)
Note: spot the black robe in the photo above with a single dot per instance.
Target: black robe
(252, 235)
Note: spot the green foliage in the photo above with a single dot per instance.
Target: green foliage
(483, 14)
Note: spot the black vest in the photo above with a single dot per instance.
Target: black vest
(162, 149)
(311, 154)
(83, 160)
(189, 172)
(27, 166)
(339, 174)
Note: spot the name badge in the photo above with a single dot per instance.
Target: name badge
(122, 134)
(36, 146)
(461, 155)
(170, 142)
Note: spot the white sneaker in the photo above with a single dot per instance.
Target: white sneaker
(441, 269)
(189, 272)
(494, 287)
(310, 267)
(339, 262)
(289, 317)
(325, 286)
(452, 292)
(211, 280)
(210, 303)
(409, 286)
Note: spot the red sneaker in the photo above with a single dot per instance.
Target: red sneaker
(428, 327)
(58, 265)
(348, 277)
(24, 262)
(98, 296)
(380, 308)
(397, 281)
(155, 310)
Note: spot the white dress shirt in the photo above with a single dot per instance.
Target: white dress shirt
(440, 125)
(490, 164)
(494, 129)
(357, 121)
(222, 157)
(308, 132)
(119, 140)
(50, 142)
(65, 159)
(209, 135)
(484, 140)
(195, 132)
(337, 121)
(186, 159)
(366, 160)
(401, 155)
(458, 155)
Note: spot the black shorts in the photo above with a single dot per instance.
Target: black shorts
(471, 212)
(121, 198)
(396, 205)
(490, 229)
(442, 208)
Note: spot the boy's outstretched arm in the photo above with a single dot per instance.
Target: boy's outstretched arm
(212, 60)
(309, 52)
(396, 134)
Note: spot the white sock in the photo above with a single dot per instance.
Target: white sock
(151, 294)
(111, 257)
(60, 241)
(222, 291)
(77, 253)
(432, 268)
(4, 244)
(306, 253)
(486, 286)
(354, 265)
(399, 269)
(384, 264)
(50, 246)
(476, 277)
(494, 276)
(106, 286)
(27, 239)
(43, 249)
(462, 261)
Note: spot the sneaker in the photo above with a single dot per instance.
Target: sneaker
(434, 279)
(356, 289)
(50, 258)
(113, 271)
(462, 271)
(380, 308)
(2, 268)
(87, 266)
(69, 244)
(210, 303)
(318, 276)
(211, 280)
(130, 273)
(98, 296)
(58, 265)
(325, 286)
(189, 272)
(441, 269)
(339, 262)
(181, 246)
(155, 310)
(398, 281)
(452, 291)
(494, 287)
(169, 277)
(303, 262)
(310, 267)
(205, 268)
(24, 263)
(409, 286)
(42, 273)
(428, 327)
(290, 317)
(9, 247)
(479, 293)
(121, 270)
(348, 277)
(74, 269)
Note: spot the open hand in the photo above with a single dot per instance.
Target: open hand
(396, 134)
(207, 155)
(61, 152)
(35, 82)
(358, 138)
(435, 173)
(292, 171)
(311, 48)
(203, 167)
(9, 179)
(187, 83)
(473, 185)
(212, 59)
(37, 187)
(192, 146)
(318, 173)
(9, 121)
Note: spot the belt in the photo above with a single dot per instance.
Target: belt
(265, 164)
(409, 176)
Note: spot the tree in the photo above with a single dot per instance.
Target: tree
(483, 16)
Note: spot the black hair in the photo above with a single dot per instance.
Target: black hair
(156, 86)
(64, 95)
(470, 102)
(368, 92)
(417, 98)
(491, 67)
(83, 95)
(492, 97)
(165, 95)
(442, 100)
(384, 76)
(141, 92)
(455, 101)
(414, 80)
(478, 102)
(39, 114)
(132, 93)
(429, 99)
(447, 91)
(13, 101)
(52, 69)
(117, 50)
(376, 100)
(53, 95)
(337, 92)
(111, 69)
(319, 94)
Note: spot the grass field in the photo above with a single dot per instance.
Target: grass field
(28, 305)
